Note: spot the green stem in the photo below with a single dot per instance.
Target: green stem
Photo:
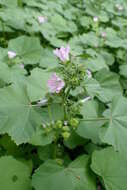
(95, 119)
(50, 113)
(65, 97)
(65, 111)
(20, 3)
(67, 93)
(3, 29)
(55, 149)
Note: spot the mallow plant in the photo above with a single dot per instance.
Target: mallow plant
(63, 95)
(65, 79)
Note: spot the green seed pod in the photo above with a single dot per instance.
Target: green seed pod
(66, 128)
(74, 122)
(59, 161)
(48, 129)
(59, 124)
(65, 135)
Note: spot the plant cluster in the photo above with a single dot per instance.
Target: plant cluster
(63, 95)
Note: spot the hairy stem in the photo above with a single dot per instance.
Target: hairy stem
(3, 29)
(50, 113)
(65, 97)
(55, 149)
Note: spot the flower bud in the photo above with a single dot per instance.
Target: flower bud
(59, 124)
(48, 129)
(59, 161)
(74, 122)
(66, 128)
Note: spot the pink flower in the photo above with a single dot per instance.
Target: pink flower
(89, 74)
(41, 19)
(55, 84)
(11, 54)
(62, 53)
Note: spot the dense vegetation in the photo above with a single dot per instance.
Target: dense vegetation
(63, 95)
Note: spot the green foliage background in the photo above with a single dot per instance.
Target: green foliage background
(96, 153)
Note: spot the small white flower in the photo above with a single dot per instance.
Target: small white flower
(41, 19)
(89, 74)
(95, 19)
(43, 125)
(119, 7)
(21, 66)
(85, 99)
(11, 54)
(65, 122)
(42, 102)
(103, 34)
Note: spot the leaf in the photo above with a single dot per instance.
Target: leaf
(22, 117)
(11, 74)
(48, 59)
(113, 40)
(112, 167)
(108, 57)
(105, 85)
(74, 140)
(15, 22)
(9, 3)
(46, 152)
(76, 45)
(93, 87)
(119, 22)
(14, 175)
(123, 70)
(90, 39)
(40, 138)
(37, 84)
(10, 147)
(28, 48)
(115, 131)
(56, 113)
(85, 21)
(96, 63)
(77, 176)
(109, 83)
(90, 126)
